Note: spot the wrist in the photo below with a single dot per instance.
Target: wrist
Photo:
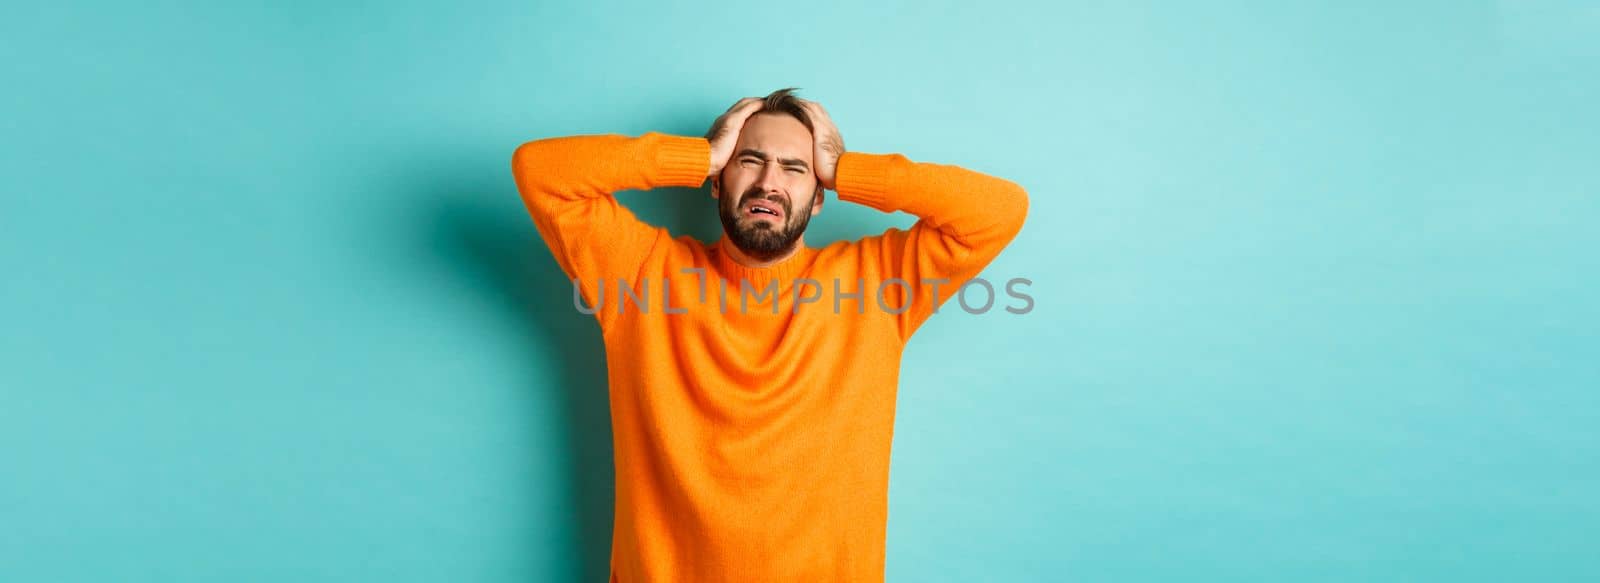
(681, 161)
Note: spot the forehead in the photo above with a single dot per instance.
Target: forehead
(780, 135)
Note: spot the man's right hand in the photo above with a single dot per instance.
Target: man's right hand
(724, 134)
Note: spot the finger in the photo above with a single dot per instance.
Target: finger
(745, 106)
(751, 104)
(737, 117)
(733, 111)
(741, 103)
(817, 109)
(824, 124)
(819, 116)
(733, 119)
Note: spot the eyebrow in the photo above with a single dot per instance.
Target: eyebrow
(758, 154)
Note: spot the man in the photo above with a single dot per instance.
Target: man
(753, 410)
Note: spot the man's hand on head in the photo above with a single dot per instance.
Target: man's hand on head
(724, 134)
(829, 145)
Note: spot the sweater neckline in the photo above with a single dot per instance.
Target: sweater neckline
(785, 271)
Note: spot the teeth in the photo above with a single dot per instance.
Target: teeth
(763, 210)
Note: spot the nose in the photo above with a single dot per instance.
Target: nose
(771, 179)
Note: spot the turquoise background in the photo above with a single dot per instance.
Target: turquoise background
(1315, 284)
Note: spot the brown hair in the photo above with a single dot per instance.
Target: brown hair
(784, 101)
(780, 101)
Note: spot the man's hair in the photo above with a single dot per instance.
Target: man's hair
(780, 101)
(784, 101)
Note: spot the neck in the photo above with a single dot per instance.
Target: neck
(739, 256)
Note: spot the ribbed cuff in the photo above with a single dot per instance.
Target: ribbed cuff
(866, 179)
(682, 160)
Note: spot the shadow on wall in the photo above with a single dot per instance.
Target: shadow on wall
(478, 231)
(512, 268)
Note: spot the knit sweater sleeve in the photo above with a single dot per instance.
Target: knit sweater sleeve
(567, 184)
(965, 219)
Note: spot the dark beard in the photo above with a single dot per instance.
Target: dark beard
(761, 241)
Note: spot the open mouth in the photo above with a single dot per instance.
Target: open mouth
(764, 209)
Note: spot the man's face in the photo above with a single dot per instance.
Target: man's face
(768, 191)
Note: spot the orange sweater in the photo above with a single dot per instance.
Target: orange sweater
(752, 445)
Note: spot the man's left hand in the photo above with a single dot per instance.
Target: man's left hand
(828, 144)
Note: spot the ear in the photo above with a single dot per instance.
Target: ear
(816, 203)
(716, 186)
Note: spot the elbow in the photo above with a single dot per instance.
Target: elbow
(1005, 210)
(1013, 209)
(534, 167)
(524, 160)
